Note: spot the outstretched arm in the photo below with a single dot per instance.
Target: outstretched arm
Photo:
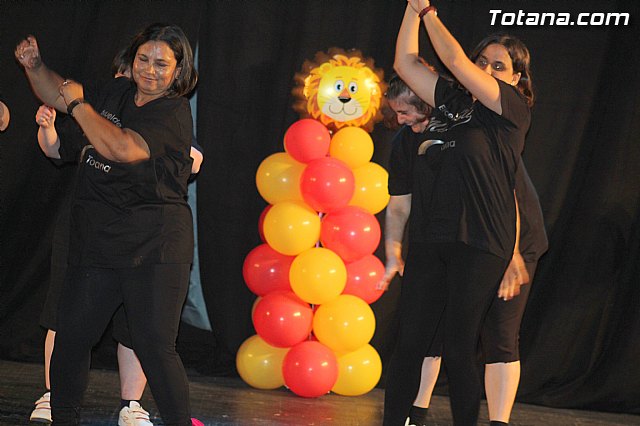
(397, 214)
(481, 85)
(112, 142)
(420, 78)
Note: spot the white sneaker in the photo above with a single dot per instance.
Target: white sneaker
(134, 415)
(42, 412)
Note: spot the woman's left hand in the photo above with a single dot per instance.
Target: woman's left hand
(71, 90)
(515, 276)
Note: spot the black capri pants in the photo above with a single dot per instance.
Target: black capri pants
(446, 288)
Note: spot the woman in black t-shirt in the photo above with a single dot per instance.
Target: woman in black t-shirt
(501, 328)
(131, 240)
(469, 231)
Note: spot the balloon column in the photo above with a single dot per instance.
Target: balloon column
(315, 273)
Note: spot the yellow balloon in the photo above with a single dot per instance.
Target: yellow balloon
(318, 275)
(260, 364)
(291, 227)
(345, 323)
(358, 371)
(278, 178)
(352, 145)
(372, 192)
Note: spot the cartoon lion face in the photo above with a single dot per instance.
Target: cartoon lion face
(343, 91)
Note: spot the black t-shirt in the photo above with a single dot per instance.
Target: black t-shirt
(405, 178)
(533, 237)
(473, 154)
(127, 214)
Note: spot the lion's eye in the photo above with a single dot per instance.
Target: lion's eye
(353, 87)
(339, 85)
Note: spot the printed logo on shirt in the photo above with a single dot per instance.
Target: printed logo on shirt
(451, 120)
(450, 144)
(111, 117)
(422, 149)
(92, 162)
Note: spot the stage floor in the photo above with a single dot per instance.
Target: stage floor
(229, 401)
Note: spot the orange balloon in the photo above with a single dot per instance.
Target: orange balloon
(358, 371)
(260, 364)
(345, 323)
(352, 145)
(278, 178)
(371, 188)
(291, 227)
(317, 275)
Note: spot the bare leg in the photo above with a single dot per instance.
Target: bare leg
(428, 378)
(48, 350)
(132, 378)
(501, 384)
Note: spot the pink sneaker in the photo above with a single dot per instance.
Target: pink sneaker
(196, 422)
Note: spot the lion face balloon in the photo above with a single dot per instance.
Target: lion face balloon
(341, 91)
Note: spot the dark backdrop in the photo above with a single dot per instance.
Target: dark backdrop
(579, 337)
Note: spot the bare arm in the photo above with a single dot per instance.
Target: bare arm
(516, 273)
(408, 64)
(47, 135)
(397, 214)
(112, 142)
(482, 86)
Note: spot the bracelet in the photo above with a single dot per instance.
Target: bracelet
(427, 10)
(74, 103)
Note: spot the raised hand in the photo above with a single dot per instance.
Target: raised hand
(28, 54)
(45, 116)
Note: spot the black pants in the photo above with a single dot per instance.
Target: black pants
(447, 288)
(153, 296)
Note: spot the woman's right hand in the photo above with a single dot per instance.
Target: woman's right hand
(395, 265)
(28, 53)
(46, 116)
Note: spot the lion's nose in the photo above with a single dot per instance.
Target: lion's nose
(344, 96)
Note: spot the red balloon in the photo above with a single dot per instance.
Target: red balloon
(363, 277)
(265, 270)
(307, 140)
(327, 184)
(351, 232)
(282, 319)
(310, 369)
(261, 223)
